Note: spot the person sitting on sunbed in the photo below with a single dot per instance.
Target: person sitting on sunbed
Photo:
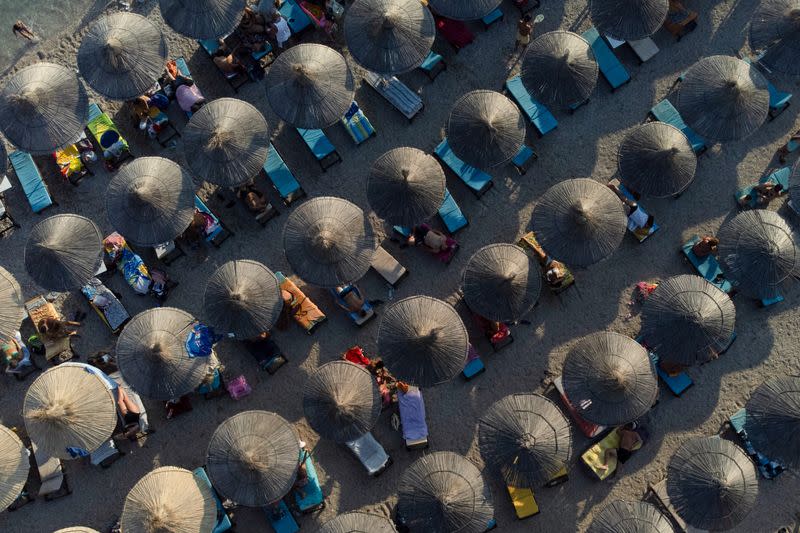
(495, 331)
(764, 193)
(790, 146)
(189, 97)
(253, 199)
(129, 411)
(350, 299)
(54, 329)
(632, 209)
(433, 241)
(302, 472)
(15, 354)
(555, 272)
(227, 62)
(631, 438)
(707, 245)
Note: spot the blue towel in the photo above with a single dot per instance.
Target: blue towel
(317, 142)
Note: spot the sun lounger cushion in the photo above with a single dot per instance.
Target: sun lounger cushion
(541, 117)
(317, 142)
(766, 467)
(144, 423)
(524, 503)
(387, 266)
(610, 66)
(283, 522)
(779, 177)
(50, 471)
(474, 364)
(223, 522)
(357, 124)
(454, 32)
(637, 220)
(396, 93)
(586, 427)
(303, 310)
(678, 383)
(451, 214)
(281, 177)
(31, 180)
(213, 229)
(431, 62)
(295, 16)
(106, 304)
(492, 17)
(105, 132)
(477, 180)
(666, 112)
(644, 49)
(594, 457)
(412, 414)
(523, 159)
(708, 266)
(370, 453)
(312, 498)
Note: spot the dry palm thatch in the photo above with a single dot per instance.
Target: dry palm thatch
(69, 406)
(711, 483)
(628, 19)
(526, 439)
(169, 499)
(485, 129)
(3, 158)
(253, 458)
(773, 419)
(14, 466)
(12, 310)
(630, 517)
(63, 252)
(422, 341)
(226, 142)
(775, 30)
(356, 522)
(464, 9)
(77, 529)
(203, 19)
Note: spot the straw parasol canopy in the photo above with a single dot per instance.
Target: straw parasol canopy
(422, 340)
(152, 354)
(775, 30)
(14, 466)
(43, 108)
(12, 304)
(773, 419)
(253, 458)
(122, 55)
(203, 19)
(150, 201)
(328, 241)
(389, 36)
(443, 492)
(310, 86)
(656, 159)
(526, 438)
(485, 129)
(628, 19)
(242, 297)
(169, 499)
(69, 406)
(579, 221)
(341, 401)
(711, 483)
(759, 251)
(3, 159)
(77, 529)
(464, 9)
(630, 517)
(559, 68)
(405, 186)
(63, 252)
(357, 522)
(723, 98)
(501, 282)
(226, 142)
(609, 379)
(686, 319)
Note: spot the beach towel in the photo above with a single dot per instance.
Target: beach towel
(105, 302)
(303, 310)
(200, 341)
(412, 414)
(129, 264)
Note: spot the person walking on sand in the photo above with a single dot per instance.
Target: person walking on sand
(21, 29)
(524, 30)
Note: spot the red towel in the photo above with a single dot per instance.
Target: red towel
(455, 32)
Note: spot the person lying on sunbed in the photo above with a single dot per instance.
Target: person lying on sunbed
(632, 210)
(54, 329)
(764, 193)
(228, 62)
(253, 199)
(130, 413)
(14, 353)
(707, 245)
(555, 272)
(631, 438)
(349, 298)
(790, 146)
(433, 241)
(495, 331)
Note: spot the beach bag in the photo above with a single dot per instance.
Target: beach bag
(239, 388)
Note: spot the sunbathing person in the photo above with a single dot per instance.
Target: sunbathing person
(349, 298)
(789, 147)
(706, 246)
(495, 331)
(630, 440)
(254, 199)
(555, 272)
(632, 209)
(53, 329)
(263, 349)
(15, 354)
(433, 241)
(764, 193)
(227, 62)
(129, 411)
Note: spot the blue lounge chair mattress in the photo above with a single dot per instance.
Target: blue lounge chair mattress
(313, 497)
(451, 214)
(223, 522)
(474, 178)
(280, 175)
(541, 117)
(430, 61)
(677, 384)
(317, 142)
(295, 16)
(203, 208)
(31, 180)
(666, 112)
(610, 66)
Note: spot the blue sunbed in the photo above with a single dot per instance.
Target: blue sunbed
(31, 180)
(541, 117)
(610, 66)
(283, 522)
(477, 180)
(676, 384)
(217, 232)
(295, 16)
(766, 467)
(356, 317)
(474, 364)
(664, 111)
(636, 230)
(708, 266)
(491, 18)
(522, 161)
(433, 64)
(779, 177)
(451, 215)
(312, 500)
(234, 79)
(322, 148)
(778, 101)
(281, 177)
(223, 521)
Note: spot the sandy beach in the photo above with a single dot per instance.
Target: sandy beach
(584, 145)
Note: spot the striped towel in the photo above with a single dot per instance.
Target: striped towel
(357, 124)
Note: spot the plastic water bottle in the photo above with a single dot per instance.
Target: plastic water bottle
(391, 292)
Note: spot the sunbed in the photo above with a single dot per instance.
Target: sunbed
(678, 383)
(281, 177)
(445, 256)
(237, 79)
(307, 315)
(267, 353)
(358, 319)
(451, 215)
(612, 69)
(524, 503)
(529, 242)
(657, 495)
(708, 267)
(118, 255)
(396, 93)
(223, 520)
(5, 215)
(637, 220)
(167, 252)
(312, 498)
(281, 519)
(215, 231)
(498, 337)
(778, 101)
(38, 309)
(106, 455)
(323, 149)
(412, 418)
(766, 467)
(477, 180)
(388, 267)
(524, 158)
(106, 304)
(51, 474)
(30, 178)
(69, 163)
(680, 20)
(144, 421)
(644, 49)
(455, 32)
(370, 454)
(491, 18)
(474, 364)
(595, 456)
(778, 177)
(538, 115)
(295, 16)
(433, 65)
(664, 111)
(589, 429)
(113, 146)
(357, 124)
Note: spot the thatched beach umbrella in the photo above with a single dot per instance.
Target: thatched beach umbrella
(43, 108)
(775, 30)
(68, 407)
(405, 186)
(122, 55)
(169, 499)
(77, 529)
(203, 19)
(328, 241)
(525, 438)
(559, 68)
(723, 98)
(628, 19)
(422, 340)
(711, 483)
(310, 86)
(609, 379)
(579, 221)
(485, 129)
(501, 282)
(150, 201)
(656, 159)
(389, 36)
(12, 304)
(242, 297)
(464, 9)
(773, 419)
(686, 318)
(357, 522)
(63, 252)
(14, 466)
(630, 517)
(226, 142)
(443, 492)
(152, 355)
(253, 458)
(341, 401)
(3, 159)
(759, 251)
